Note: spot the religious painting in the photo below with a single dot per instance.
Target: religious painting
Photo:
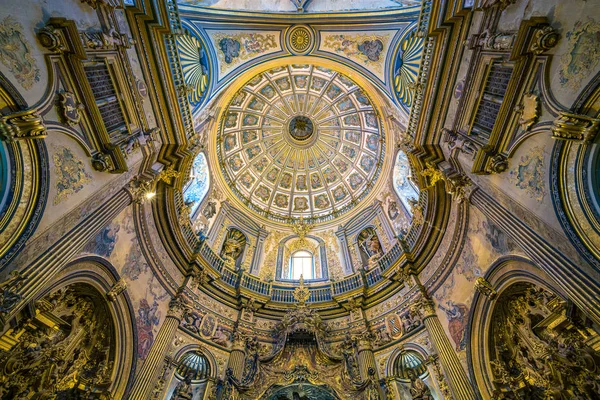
(339, 193)
(352, 136)
(300, 81)
(367, 163)
(236, 162)
(321, 201)
(341, 165)
(333, 91)
(301, 182)
(253, 151)
(281, 200)
(256, 104)
(345, 104)
(272, 174)
(283, 84)
(15, 53)
(300, 204)
(286, 180)
(247, 180)
(352, 120)
(457, 314)
(249, 136)
(355, 180)
(268, 91)
(349, 152)
(148, 317)
(249, 120)
(263, 193)
(373, 142)
(329, 175)
(230, 49)
(231, 120)
(367, 49)
(104, 242)
(371, 120)
(315, 181)
(317, 83)
(229, 142)
(261, 164)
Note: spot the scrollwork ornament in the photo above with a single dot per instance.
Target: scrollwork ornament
(70, 108)
(22, 125)
(544, 39)
(575, 127)
(434, 174)
(484, 287)
(52, 39)
(116, 290)
(497, 164)
(9, 292)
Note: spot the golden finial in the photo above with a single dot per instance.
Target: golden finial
(301, 293)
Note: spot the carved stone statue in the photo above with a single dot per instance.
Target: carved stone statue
(418, 389)
(221, 337)
(183, 390)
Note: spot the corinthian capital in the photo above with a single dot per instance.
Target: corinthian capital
(177, 307)
(423, 306)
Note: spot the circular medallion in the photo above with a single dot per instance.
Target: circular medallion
(300, 39)
(301, 128)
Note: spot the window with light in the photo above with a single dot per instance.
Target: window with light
(198, 185)
(302, 263)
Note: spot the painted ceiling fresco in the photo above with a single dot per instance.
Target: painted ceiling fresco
(302, 141)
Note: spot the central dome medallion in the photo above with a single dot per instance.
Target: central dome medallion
(301, 128)
(300, 140)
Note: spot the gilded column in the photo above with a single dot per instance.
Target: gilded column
(237, 357)
(366, 357)
(455, 373)
(145, 380)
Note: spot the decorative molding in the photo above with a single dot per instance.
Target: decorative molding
(22, 125)
(575, 127)
(484, 287)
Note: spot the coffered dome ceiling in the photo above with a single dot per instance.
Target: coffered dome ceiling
(300, 140)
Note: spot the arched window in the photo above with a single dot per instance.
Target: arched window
(194, 365)
(405, 189)
(301, 263)
(198, 185)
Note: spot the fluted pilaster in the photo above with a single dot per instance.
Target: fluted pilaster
(47, 264)
(145, 380)
(455, 373)
(237, 357)
(582, 289)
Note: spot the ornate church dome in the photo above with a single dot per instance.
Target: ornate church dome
(300, 141)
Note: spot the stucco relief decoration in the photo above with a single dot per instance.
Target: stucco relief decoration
(15, 53)
(195, 66)
(71, 175)
(406, 68)
(529, 174)
(368, 49)
(582, 55)
(233, 49)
